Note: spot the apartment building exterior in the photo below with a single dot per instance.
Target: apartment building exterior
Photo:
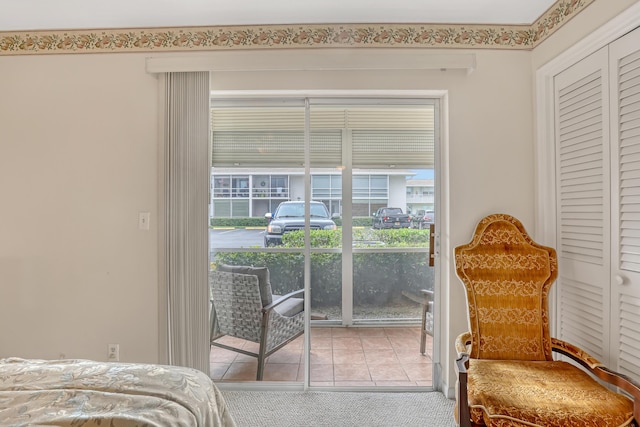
(237, 192)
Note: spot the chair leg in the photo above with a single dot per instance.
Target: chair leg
(264, 331)
(423, 328)
(261, 358)
(213, 323)
(463, 413)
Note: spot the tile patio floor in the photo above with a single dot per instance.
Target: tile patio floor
(367, 357)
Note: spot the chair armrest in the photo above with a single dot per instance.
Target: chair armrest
(428, 299)
(282, 299)
(427, 294)
(599, 370)
(575, 353)
(462, 343)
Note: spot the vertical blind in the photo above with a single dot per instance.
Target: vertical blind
(186, 179)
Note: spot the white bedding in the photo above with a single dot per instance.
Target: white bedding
(87, 393)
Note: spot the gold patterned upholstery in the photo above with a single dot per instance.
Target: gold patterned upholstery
(506, 373)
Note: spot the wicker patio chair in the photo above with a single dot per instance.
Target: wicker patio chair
(426, 325)
(241, 311)
(506, 373)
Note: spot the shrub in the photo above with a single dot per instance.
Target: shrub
(362, 237)
(378, 276)
(319, 239)
(238, 222)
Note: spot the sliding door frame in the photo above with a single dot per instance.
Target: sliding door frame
(315, 98)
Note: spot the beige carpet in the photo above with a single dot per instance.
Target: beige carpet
(339, 409)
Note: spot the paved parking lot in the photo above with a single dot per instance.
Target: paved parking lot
(236, 238)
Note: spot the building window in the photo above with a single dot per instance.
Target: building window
(221, 186)
(240, 186)
(279, 186)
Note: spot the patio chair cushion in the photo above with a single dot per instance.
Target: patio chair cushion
(290, 307)
(264, 281)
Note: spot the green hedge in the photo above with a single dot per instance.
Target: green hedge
(379, 277)
(358, 221)
(239, 222)
(362, 237)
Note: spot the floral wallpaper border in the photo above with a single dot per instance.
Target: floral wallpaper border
(523, 37)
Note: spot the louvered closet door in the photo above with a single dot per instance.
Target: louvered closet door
(583, 204)
(625, 136)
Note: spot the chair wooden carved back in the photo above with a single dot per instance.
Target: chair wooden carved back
(507, 277)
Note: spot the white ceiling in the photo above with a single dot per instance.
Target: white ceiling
(20, 15)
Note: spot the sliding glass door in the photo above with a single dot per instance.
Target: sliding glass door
(335, 197)
(387, 151)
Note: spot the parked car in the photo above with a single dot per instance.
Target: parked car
(391, 218)
(289, 216)
(422, 219)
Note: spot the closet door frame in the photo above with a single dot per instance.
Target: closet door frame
(545, 150)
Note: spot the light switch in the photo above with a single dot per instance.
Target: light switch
(143, 220)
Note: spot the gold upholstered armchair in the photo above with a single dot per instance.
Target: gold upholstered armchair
(506, 373)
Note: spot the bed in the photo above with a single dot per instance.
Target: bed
(88, 393)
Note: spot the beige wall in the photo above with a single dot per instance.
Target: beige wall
(78, 161)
